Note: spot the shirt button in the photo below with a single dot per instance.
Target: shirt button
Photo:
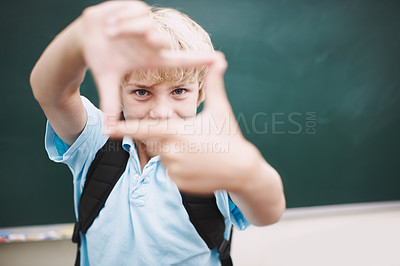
(136, 177)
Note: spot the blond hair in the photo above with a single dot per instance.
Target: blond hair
(183, 34)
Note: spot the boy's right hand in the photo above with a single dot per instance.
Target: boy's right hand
(118, 37)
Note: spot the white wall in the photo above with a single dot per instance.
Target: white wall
(346, 235)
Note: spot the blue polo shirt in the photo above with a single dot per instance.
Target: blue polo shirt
(143, 221)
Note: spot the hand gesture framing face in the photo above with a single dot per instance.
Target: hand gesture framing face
(118, 37)
(204, 153)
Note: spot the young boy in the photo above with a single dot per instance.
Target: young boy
(168, 67)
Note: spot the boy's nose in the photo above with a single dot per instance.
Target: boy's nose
(160, 112)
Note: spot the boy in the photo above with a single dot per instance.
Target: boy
(168, 67)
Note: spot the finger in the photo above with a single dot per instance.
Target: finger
(131, 27)
(216, 105)
(105, 8)
(216, 97)
(109, 10)
(145, 130)
(131, 11)
(156, 40)
(109, 95)
(185, 59)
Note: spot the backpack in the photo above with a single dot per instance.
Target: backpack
(104, 172)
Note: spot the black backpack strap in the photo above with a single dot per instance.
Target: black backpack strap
(209, 223)
(104, 172)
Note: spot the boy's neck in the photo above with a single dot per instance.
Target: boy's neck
(143, 155)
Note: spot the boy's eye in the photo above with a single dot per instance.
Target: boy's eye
(141, 92)
(179, 91)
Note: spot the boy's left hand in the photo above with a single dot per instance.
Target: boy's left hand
(118, 37)
(205, 153)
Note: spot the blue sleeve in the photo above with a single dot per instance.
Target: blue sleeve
(230, 211)
(81, 153)
(241, 222)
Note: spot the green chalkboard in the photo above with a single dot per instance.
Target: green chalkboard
(314, 84)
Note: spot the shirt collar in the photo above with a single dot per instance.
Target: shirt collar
(127, 143)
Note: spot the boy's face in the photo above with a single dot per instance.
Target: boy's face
(144, 100)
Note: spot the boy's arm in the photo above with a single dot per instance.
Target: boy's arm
(259, 193)
(55, 81)
(111, 39)
(87, 43)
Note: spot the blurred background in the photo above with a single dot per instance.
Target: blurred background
(315, 85)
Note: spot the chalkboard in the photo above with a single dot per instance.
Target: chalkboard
(315, 85)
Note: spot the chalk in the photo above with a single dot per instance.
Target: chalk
(17, 237)
(4, 237)
(53, 235)
(40, 236)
